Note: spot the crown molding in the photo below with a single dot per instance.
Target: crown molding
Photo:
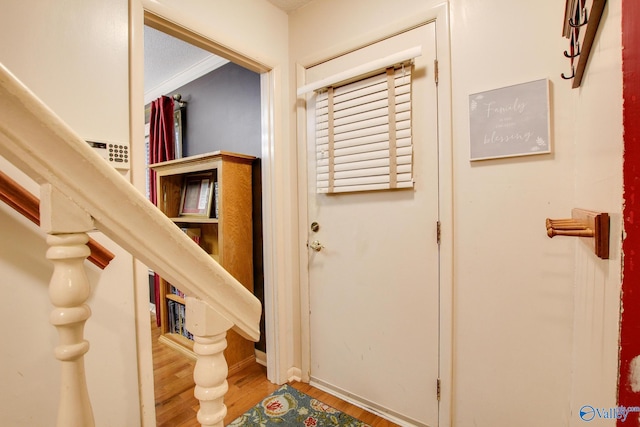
(198, 69)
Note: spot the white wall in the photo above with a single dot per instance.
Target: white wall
(73, 55)
(514, 288)
(514, 285)
(597, 136)
(538, 328)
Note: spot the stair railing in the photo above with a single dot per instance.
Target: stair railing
(69, 172)
(21, 200)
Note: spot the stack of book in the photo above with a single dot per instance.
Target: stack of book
(175, 291)
(176, 317)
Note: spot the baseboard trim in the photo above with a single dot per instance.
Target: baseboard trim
(294, 374)
(238, 366)
(241, 365)
(174, 345)
(365, 404)
(261, 357)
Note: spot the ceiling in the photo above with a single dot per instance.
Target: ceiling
(165, 57)
(170, 63)
(289, 5)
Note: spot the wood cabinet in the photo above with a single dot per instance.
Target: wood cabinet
(224, 232)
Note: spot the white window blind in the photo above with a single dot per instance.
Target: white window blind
(363, 134)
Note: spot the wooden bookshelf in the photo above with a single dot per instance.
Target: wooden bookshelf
(225, 233)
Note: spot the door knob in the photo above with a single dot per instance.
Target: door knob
(316, 246)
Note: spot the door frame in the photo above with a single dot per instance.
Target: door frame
(141, 12)
(438, 13)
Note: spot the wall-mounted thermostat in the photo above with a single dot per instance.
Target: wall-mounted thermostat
(117, 154)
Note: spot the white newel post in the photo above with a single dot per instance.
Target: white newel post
(209, 329)
(69, 288)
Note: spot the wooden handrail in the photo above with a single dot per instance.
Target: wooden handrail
(28, 205)
(35, 140)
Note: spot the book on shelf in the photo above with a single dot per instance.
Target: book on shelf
(176, 318)
(171, 316)
(215, 200)
(175, 291)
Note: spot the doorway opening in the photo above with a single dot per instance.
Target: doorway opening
(217, 107)
(241, 123)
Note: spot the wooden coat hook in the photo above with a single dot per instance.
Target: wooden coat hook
(594, 226)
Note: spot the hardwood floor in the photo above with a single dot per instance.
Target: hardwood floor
(177, 407)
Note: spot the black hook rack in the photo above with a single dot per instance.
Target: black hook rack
(579, 14)
(575, 54)
(573, 74)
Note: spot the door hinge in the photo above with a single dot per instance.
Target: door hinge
(438, 231)
(435, 71)
(438, 389)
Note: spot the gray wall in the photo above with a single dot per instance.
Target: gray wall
(223, 112)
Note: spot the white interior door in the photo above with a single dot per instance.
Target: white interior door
(374, 283)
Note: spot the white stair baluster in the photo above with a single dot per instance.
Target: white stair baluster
(69, 289)
(210, 374)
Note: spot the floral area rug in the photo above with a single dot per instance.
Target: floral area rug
(290, 407)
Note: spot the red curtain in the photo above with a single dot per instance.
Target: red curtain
(161, 148)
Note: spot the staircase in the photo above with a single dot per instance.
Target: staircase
(68, 171)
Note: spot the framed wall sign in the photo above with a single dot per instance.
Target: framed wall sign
(510, 121)
(197, 192)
